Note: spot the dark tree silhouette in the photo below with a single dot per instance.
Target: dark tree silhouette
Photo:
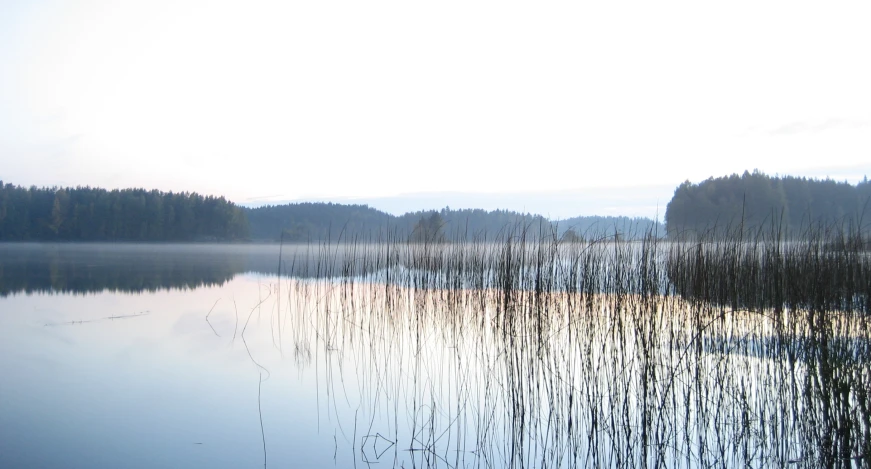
(91, 214)
(753, 200)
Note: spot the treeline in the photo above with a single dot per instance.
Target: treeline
(304, 222)
(627, 227)
(477, 224)
(92, 214)
(315, 221)
(327, 221)
(755, 200)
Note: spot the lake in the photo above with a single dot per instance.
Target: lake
(511, 354)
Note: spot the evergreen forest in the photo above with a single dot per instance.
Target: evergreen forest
(715, 206)
(92, 214)
(754, 201)
(302, 222)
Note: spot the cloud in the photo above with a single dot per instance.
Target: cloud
(799, 127)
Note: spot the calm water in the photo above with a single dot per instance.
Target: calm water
(202, 356)
(108, 361)
(150, 356)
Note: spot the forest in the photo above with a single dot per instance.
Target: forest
(714, 206)
(92, 214)
(302, 222)
(755, 200)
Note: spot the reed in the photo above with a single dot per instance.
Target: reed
(530, 351)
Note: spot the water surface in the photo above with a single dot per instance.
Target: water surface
(497, 355)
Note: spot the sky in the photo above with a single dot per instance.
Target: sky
(564, 108)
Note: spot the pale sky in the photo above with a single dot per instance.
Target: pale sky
(367, 100)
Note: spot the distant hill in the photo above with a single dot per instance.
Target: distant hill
(753, 200)
(94, 214)
(316, 221)
(303, 222)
